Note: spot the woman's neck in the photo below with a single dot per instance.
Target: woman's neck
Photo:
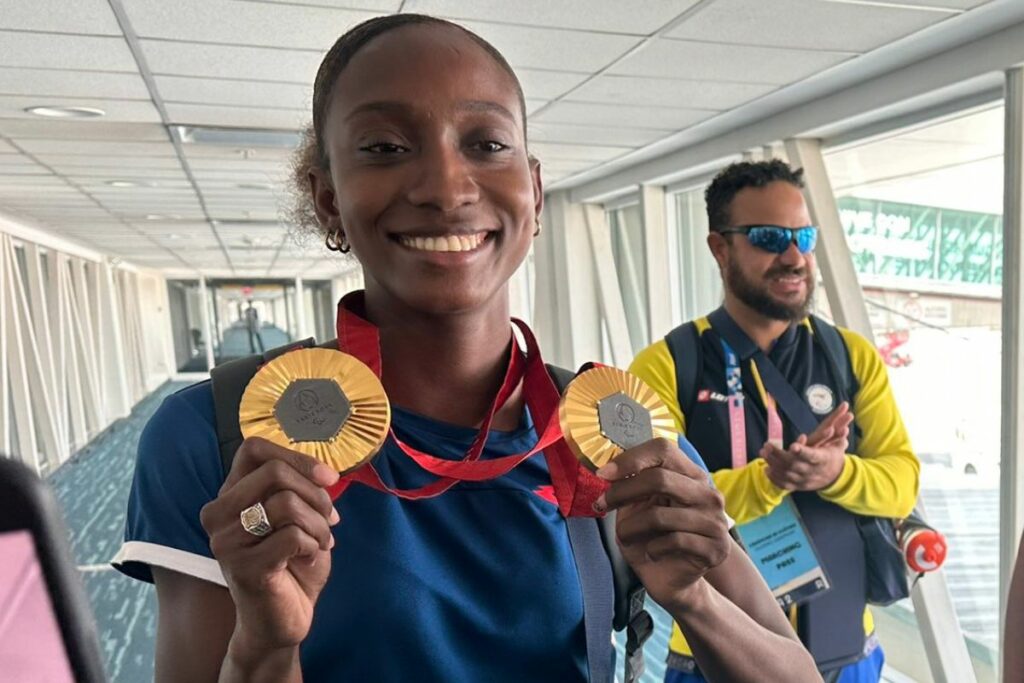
(446, 367)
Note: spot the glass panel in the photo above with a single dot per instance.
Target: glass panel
(319, 309)
(699, 286)
(187, 325)
(251, 317)
(922, 212)
(627, 233)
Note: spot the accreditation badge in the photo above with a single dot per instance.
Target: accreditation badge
(782, 551)
(320, 402)
(605, 411)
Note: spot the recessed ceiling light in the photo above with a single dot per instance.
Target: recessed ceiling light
(125, 183)
(254, 186)
(162, 217)
(66, 112)
(173, 236)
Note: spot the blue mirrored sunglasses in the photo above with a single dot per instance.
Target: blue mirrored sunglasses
(776, 239)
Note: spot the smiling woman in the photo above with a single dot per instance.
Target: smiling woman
(278, 568)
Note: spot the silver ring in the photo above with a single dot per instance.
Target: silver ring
(254, 520)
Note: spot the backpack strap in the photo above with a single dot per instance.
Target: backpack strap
(838, 357)
(599, 562)
(228, 382)
(684, 346)
(837, 354)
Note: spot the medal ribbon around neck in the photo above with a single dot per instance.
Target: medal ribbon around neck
(575, 488)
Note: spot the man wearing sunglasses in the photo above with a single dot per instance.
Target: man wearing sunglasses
(740, 380)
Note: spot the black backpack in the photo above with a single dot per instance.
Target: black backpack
(598, 560)
(885, 564)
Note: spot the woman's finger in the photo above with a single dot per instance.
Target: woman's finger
(647, 524)
(257, 487)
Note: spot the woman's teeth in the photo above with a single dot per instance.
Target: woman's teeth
(445, 242)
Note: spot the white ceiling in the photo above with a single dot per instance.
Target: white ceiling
(601, 79)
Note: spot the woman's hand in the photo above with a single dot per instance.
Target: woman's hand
(274, 579)
(671, 522)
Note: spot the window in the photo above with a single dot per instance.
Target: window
(627, 233)
(921, 209)
(698, 289)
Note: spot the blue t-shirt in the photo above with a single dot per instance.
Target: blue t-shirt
(476, 584)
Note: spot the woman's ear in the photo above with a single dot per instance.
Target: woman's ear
(324, 199)
(538, 186)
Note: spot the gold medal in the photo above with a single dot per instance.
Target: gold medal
(605, 411)
(320, 402)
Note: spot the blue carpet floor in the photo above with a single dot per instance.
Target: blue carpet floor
(92, 488)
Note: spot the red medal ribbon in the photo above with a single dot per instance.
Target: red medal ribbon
(575, 488)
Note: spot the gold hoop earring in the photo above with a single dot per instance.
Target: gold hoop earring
(539, 230)
(335, 241)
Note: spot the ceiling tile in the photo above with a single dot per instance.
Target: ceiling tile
(597, 135)
(228, 152)
(230, 61)
(88, 53)
(60, 16)
(179, 89)
(181, 227)
(540, 48)
(241, 176)
(86, 175)
(534, 105)
(950, 4)
(546, 151)
(557, 167)
(31, 183)
(248, 23)
(702, 61)
(95, 183)
(13, 106)
(82, 130)
(804, 24)
(87, 84)
(639, 18)
(18, 165)
(98, 149)
(245, 165)
(664, 93)
(548, 85)
(5, 148)
(615, 115)
(245, 214)
(238, 117)
(373, 5)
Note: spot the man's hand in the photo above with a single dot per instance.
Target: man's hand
(812, 462)
(671, 522)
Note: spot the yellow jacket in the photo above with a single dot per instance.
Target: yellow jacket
(880, 480)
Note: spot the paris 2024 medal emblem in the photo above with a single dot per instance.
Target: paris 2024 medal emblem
(605, 411)
(324, 403)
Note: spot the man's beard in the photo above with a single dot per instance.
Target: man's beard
(757, 297)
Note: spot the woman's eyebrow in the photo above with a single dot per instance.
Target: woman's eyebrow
(486, 106)
(379, 107)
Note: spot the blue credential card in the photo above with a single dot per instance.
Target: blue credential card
(781, 550)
